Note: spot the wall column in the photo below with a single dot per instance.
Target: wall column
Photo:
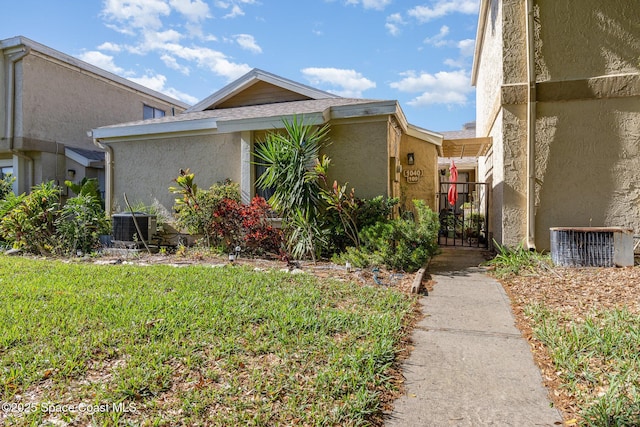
(246, 168)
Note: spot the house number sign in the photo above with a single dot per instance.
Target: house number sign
(413, 175)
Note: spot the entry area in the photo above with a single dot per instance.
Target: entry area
(465, 221)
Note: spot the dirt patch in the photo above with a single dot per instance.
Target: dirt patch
(377, 276)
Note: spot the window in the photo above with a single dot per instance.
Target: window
(267, 192)
(149, 112)
(5, 170)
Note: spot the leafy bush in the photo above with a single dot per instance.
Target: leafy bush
(36, 223)
(6, 185)
(399, 244)
(29, 221)
(195, 208)
(359, 213)
(222, 219)
(81, 222)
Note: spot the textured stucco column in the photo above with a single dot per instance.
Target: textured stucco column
(246, 169)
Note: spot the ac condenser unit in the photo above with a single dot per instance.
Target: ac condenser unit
(124, 229)
(592, 246)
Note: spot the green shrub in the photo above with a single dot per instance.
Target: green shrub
(399, 244)
(6, 185)
(81, 222)
(195, 209)
(359, 213)
(28, 221)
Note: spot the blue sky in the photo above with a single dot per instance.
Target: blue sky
(418, 52)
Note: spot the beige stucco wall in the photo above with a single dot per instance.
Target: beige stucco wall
(424, 172)
(588, 160)
(144, 169)
(56, 104)
(61, 103)
(589, 38)
(587, 126)
(359, 155)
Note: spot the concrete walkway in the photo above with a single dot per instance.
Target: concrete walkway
(470, 365)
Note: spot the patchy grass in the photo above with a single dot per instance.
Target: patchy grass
(160, 345)
(597, 359)
(583, 325)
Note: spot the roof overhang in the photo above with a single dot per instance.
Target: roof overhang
(78, 157)
(467, 147)
(163, 128)
(426, 135)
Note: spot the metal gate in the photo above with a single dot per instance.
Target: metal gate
(466, 222)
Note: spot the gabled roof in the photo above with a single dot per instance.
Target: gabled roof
(297, 91)
(240, 107)
(21, 42)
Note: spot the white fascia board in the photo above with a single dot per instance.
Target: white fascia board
(477, 53)
(82, 160)
(425, 135)
(267, 123)
(379, 108)
(156, 128)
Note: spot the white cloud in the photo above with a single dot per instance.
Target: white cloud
(234, 7)
(443, 8)
(439, 39)
(210, 59)
(235, 11)
(248, 42)
(136, 13)
(394, 21)
(194, 11)
(467, 47)
(101, 60)
(371, 4)
(449, 88)
(157, 82)
(172, 63)
(350, 82)
(110, 47)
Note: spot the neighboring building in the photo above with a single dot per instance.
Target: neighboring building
(558, 91)
(371, 143)
(50, 101)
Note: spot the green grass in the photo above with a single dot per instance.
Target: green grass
(517, 261)
(193, 346)
(597, 359)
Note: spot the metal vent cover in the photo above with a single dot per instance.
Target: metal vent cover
(591, 246)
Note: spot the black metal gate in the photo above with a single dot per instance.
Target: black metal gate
(465, 223)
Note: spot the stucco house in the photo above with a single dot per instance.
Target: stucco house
(373, 148)
(50, 100)
(558, 94)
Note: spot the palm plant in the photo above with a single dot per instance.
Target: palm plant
(294, 170)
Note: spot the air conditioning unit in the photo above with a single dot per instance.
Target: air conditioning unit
(124, 229)
(592, 246)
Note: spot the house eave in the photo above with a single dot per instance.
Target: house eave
(482, 22)
(136, 130)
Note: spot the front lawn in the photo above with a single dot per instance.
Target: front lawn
(160, 345)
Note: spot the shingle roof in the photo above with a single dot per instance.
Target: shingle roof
(254, 111)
